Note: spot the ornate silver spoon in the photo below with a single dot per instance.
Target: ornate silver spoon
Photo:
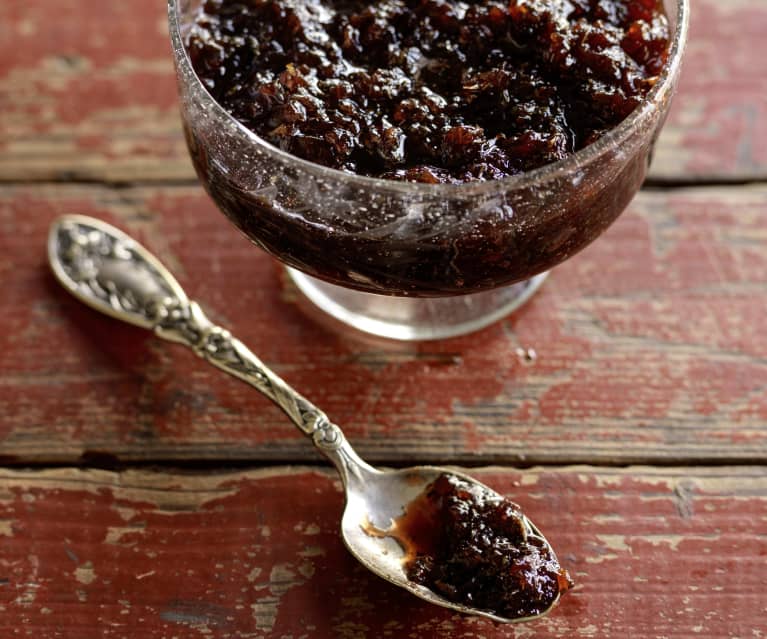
(112, 273)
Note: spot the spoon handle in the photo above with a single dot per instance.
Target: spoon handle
(109, 271)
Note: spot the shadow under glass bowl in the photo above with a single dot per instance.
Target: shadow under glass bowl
(416, 261)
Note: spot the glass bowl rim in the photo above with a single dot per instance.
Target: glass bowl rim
(571, 164)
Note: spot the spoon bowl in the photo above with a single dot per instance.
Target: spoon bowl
(375, 499)
(109, 271)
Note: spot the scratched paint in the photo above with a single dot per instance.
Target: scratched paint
(649, 345)
(717, 126)
(89, 91)
(655, 552)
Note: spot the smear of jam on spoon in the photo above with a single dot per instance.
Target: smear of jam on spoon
(473, 547)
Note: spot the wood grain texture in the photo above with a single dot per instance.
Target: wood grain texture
(673, 553)
(88, 92)
(650, 346)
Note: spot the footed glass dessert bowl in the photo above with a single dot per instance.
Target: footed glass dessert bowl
(413, 260)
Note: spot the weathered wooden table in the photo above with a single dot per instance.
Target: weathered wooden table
(143, 494)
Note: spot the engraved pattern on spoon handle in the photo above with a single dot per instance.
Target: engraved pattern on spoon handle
(109, 271)
(187, 324)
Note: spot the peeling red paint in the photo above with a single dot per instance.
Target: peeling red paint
(720, 113)
(235, 556)
(633, 346)
(101, 33)
(650, 346)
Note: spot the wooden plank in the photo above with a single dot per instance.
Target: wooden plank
(717, 129)
(650, 346)
(88, 92)
(675, 553)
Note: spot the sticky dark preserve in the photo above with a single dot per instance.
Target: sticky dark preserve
(430, 90)
(471, 547)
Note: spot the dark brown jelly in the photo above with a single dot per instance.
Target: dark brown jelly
(479, 255)
(430, 90)
(469, 546)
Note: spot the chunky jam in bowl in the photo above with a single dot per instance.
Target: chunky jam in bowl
(430, 90)
(453, 104)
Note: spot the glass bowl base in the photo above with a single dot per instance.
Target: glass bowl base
(414, 318)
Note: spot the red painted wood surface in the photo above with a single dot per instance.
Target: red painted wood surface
(656, 553)
(87, 91)
(650, 346)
